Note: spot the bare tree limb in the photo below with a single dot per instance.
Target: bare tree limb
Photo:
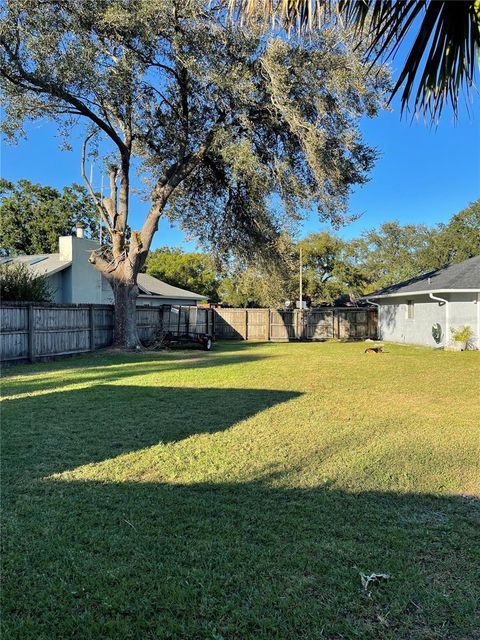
(98, 204)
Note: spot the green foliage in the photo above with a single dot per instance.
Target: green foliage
(445, 39)
(216, 117)
(462, 334)
(333, 269)
(251, 286)
(18, 283)
(396, 252)
(393, 253)
(192, 271)
(33, 216)
(329, 271)
(457, 240)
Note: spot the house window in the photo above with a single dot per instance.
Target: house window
(410, 310)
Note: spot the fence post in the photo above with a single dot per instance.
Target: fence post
(160, 319)
(91, 314)
(246, 324)
(31, 352)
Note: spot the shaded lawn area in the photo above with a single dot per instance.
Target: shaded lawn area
(239, 494)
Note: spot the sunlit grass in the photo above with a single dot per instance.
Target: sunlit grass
(239, 493)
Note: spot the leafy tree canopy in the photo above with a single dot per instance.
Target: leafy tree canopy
(443, 57)
(216, 118)
(193, 271)
(328, 272)
(459, 239)
(334, 268)
(393, 253)
(33, 216)
(328, 269)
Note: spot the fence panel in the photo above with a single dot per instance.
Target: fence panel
(258, 324)
(320, 324)
(283, 325)
(148, 321)
(231, 323)
(103, 323)
(60, 331)
(14, 333)
(204, 320)
(30, 331)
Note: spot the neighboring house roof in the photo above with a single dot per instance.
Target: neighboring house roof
(153, 287)
(46, 264)
(49, 263)
(464, 276)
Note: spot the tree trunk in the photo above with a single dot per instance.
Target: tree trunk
(125, 329)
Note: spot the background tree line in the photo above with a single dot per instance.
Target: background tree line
(32, 216)
(333, 269)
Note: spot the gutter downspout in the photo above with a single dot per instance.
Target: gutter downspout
(378, 307)
(447, 316)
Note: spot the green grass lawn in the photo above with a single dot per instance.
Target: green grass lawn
(239, 494)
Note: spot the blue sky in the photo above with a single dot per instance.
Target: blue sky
(424, 174)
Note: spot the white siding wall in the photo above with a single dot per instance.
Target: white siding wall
(84, 281)
(394, 325)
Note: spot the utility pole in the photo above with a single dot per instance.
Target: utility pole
(301, 280)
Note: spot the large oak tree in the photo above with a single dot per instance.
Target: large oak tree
(216, 118)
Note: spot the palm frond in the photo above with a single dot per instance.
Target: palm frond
(441, 62)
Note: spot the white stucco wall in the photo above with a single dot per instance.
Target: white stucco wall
(393, 324)
(82, 282)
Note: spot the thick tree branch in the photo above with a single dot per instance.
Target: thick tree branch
(174, 176)
(55, 89)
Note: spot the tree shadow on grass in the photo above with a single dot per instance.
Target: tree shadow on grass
(237, 561)
(112, 370)
(64, 429)
(251, 560)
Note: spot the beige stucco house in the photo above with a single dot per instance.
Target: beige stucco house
(73, 279)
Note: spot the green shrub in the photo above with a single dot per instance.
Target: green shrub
(463, 334)
(18, 283)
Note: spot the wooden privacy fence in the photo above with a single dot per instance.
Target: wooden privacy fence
(36, 331)
(42, 330)
(321, 323)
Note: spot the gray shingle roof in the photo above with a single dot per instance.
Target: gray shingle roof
(464, 275)
(150, 285)
(42, 264)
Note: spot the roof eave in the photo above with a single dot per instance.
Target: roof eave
(399, 294)
(158, 296)
(50, 272)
